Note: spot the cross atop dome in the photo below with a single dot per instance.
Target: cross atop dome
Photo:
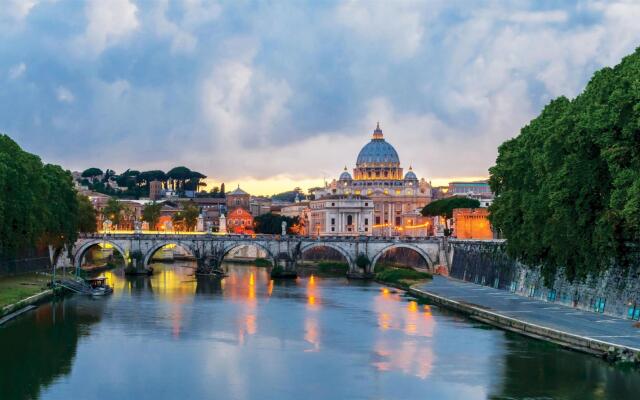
(377, 133)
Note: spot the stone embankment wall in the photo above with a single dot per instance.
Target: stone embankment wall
(29, 261)
(615, 292)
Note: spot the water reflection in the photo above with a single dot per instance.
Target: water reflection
(41, 347)
(411, 357)
(247, 337)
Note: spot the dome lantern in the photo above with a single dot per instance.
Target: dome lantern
(378, 152)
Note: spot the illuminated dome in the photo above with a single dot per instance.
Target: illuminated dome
(410, 175)
(378, 152)
(345, 175)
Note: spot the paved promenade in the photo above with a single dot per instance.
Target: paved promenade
(616, 331)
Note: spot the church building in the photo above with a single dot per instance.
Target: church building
(378, 177)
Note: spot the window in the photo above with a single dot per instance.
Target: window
(333, 229)
(333, 221)
(349, 220)
(398, 221)
(377, 220)
(366, 221)
(366, 204)
(333, 204)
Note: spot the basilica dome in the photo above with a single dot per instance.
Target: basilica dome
(345, 175)
(378, 152)
(410, 176)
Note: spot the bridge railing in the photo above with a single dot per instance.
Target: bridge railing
(253, 237)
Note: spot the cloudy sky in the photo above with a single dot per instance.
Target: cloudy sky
(274, 94)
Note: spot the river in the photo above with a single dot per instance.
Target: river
(172, 336)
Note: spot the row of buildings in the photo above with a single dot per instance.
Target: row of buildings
(377, 198)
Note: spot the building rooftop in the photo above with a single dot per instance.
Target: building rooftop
(238, 192)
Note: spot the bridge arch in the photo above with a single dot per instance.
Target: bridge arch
(425, 256)
(235, 245)
(333, 246)
(153, 249)
(78, 255)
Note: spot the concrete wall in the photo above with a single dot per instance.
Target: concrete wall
(486, 263)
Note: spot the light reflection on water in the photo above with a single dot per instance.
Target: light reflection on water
(173, 335)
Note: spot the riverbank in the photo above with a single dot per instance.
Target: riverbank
(20, 291)
(401, 278)
(614, 339)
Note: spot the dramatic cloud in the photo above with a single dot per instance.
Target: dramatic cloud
(108, 22)
(290, 91)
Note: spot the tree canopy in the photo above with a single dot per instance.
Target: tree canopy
(445, 207)
(568, 187)
(91, 172)
(272, 223)
(151, 214)
(38, 205)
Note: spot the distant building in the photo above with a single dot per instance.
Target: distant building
(155, 190)
(239, 221)
(396, 196)
(211, 209)
(259, 205)
(341, 215)
(300, 210)
(238, 198)
(470, 189)
(472, 223)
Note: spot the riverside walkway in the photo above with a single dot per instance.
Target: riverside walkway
(571, 327)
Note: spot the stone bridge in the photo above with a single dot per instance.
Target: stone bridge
(209, 250)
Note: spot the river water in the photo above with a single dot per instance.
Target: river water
(172, 336)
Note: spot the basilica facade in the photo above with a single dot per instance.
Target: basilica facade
(393, 198)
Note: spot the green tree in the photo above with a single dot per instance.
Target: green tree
(444, 208)
(568, 187)
(272, 223)
(92, 173)
(151, 214)
(187, 217)
(38, 206)
(178, 176)
(113, 210)
(86, 215)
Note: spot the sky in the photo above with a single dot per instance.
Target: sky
(276, 94)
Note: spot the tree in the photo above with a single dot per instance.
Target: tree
(92, 173)
(86, 215)
(178, 175)
(60, 221)
(108, 175)
(188, 216)
(444, 208)
(151, 214)
(568, 187)
(147, 177)
(38, 205)
(113, 211)
(272, 223)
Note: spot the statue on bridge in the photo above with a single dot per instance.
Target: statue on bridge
(284, 228)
